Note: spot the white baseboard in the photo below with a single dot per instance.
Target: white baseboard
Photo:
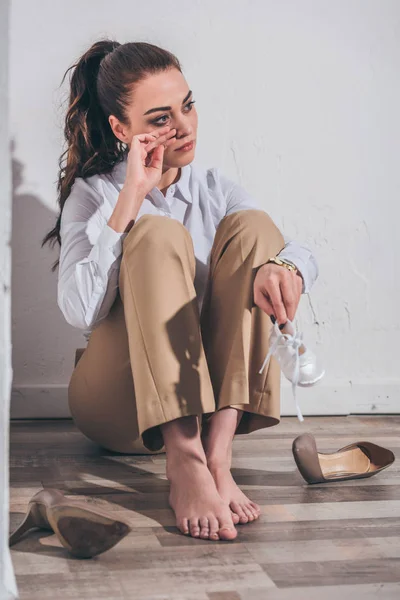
(343, 398)
(39, 402)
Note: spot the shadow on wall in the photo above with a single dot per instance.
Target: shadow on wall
(42, 341)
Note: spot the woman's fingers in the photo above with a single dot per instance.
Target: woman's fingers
(156, 159)
(144, 137)
(263, 302)
(149, 152)
(277, 291)
(151, 145)
(160, 130)
(155, 137)
(274, 292)
(154, 133)
(167, 139)
(288, 293)
(161, 142)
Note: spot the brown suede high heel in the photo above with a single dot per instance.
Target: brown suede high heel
(85, 530)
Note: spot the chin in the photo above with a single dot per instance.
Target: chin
(179, 159)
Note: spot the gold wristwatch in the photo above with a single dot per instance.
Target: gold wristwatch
(283, 262)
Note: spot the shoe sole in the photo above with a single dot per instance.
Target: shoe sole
(83, 532)
(313, 382)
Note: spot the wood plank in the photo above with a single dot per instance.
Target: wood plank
(273, 532)
(335, 572)
(325, 550)
(383, 591)
(343, 537)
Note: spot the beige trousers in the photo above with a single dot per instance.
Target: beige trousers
(154, 358)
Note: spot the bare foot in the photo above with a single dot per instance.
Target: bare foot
(216, 436)
(199, 509)
(245, 509)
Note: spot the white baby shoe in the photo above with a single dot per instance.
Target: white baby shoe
(298, 363)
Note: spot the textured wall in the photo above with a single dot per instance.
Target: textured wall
(298, 101)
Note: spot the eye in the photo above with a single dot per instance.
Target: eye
(161, 123)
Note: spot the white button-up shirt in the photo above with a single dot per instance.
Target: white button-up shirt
(91, 250)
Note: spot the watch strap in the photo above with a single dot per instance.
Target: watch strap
(282, 263)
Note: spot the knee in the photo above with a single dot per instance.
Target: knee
(255, 224)
(156, 231)
(254, 219)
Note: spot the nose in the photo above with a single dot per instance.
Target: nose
(183, 128)
(183, 132)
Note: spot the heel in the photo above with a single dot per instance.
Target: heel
(28, 523)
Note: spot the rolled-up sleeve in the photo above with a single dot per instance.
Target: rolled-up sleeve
(237, 198)
(302, 256)
(90, 257)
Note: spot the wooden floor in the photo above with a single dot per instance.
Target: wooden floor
(339, 540)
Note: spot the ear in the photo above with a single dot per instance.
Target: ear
(120, 130)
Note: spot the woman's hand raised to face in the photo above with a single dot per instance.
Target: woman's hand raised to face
(143, 172)
(145, 159)
(277, 291)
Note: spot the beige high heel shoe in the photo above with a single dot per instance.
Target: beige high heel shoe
(354, 461)
(85, 530)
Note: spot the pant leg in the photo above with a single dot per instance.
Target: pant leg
(145, 363)
(101, 392)
(235, 331)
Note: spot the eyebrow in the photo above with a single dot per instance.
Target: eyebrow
(167, 107)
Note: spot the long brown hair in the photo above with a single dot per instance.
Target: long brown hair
(101, 84)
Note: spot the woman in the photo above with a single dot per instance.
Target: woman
(163, 264)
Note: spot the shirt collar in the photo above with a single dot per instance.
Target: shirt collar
(183, 184)
(184, 181)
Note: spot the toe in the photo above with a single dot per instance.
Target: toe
(204, 528)
(194, 527)
(239, 511)
(183, 526)
(256, 510)
(256, 506)
(235, 518)
(248, 512)
(227, 530)
(214, 526)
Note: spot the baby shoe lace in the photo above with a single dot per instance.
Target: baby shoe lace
(295, 340)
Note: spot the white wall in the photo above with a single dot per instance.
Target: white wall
(8, 589)
(298, 101)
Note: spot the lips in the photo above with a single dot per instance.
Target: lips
(187, 146)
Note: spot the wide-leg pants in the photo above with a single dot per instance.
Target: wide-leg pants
(155, 358)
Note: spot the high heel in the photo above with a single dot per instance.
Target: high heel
(85, 530)
(354, 461)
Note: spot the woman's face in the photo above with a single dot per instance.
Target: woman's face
(162, 99)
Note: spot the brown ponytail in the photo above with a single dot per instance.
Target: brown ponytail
(101, 85)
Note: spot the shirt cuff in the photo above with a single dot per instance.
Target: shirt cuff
(107, 248)
(301, 267)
